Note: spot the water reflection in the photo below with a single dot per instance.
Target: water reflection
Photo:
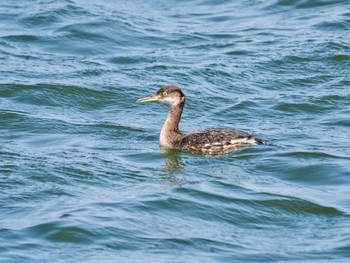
(173, 162)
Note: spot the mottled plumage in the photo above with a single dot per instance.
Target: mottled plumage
(215, 140)
(206, 141)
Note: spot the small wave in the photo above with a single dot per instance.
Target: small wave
(308, 3)
(53, 95)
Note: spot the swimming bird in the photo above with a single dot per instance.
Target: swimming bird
(208, 141)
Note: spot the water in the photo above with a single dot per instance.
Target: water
(82, 177)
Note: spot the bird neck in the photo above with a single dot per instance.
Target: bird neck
(170, 130)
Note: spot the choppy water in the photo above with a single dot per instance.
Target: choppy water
(82, 177)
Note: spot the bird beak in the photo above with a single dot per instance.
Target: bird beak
(148, 99)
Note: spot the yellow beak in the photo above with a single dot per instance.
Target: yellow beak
(148, 99)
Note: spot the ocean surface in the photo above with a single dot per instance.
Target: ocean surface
(82, 176)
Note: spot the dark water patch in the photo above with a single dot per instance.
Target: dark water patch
(119, 128)
(129, 60)
(70, 10)
(40, 20)
(313, 155)
(25, 123)
(337, 122)
(90, 73)
(301, 108)
(55, 232)
(260, 203)
(293, 58)
(87, 31)
(333, 25)
(212, 72)
(307, 61)
(177, 206)
(320, 174)
(304, 207)
(53, 95)
(332, 99)
(332, 54)
(343, 251)
(309, 171)
(309, 3)
(71, 235)
(240, 53)
(335, 53)
(22, 38)
(340, 57)
(237, 211)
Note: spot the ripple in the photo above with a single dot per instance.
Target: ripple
(308, 3)
(340, 57)
(336, 25)
(22, 38)
(82, 177)
(301, 108)
(47, 94)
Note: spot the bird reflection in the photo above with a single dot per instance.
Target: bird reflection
(173, 162)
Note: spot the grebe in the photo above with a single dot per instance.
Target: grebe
(208, 141)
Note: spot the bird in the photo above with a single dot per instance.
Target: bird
(206, 141)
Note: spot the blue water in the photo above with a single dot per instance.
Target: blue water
(82, 176)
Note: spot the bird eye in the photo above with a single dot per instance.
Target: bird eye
(165, 93)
